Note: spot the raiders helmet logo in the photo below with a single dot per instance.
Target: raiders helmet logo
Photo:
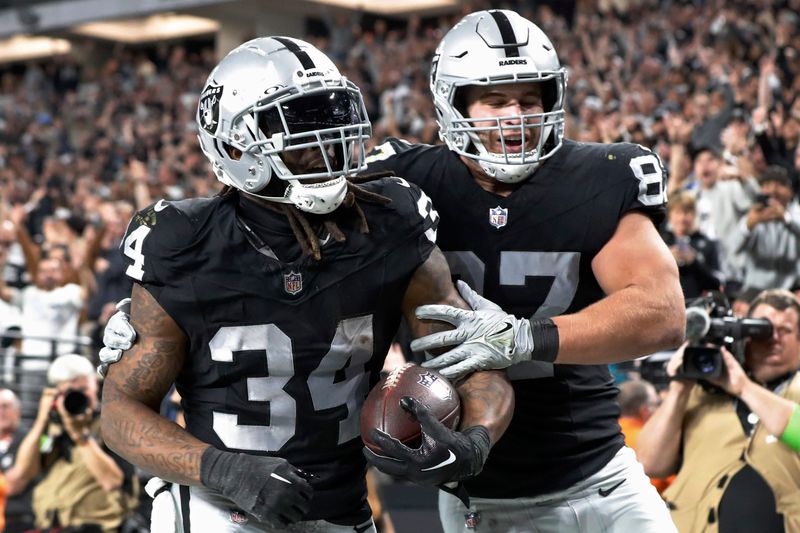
(209, 108)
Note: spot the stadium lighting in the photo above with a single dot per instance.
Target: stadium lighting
(153, 28)
(387, 7)
(26, 47)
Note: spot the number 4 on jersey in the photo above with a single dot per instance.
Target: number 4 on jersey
(133, 249)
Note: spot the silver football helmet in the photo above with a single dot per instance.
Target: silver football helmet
(498, 47)
(274, 95)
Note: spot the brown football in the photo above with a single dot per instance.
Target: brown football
(382, 409)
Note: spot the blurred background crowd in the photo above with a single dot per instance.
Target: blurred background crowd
(712, 86)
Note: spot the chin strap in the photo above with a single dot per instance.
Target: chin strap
(317, 198)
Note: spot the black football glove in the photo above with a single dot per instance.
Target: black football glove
(268, 488)
(444, 456)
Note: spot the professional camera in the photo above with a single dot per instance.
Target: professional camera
(710, 321)
(75, 403)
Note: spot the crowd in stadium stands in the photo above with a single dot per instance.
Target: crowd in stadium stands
(711, 86)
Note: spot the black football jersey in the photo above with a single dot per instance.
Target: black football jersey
(531, 253)
(282, 354)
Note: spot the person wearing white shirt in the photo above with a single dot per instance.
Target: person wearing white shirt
(768, 237)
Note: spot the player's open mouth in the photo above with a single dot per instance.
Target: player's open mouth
(512, 145)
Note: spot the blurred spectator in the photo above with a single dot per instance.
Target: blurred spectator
(734, 471)
(723, 197)
(697, 256)
(82, 482)
(103, 257)
(708, 131)
(9, 314)
(769, 236)
(13, 272)
(50, 310)
(19, 516)
(777, 131)
(638, 400)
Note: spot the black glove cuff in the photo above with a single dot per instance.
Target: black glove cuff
(545, 340)
(481, 442)
(214, 467)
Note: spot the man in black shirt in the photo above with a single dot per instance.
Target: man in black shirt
(272, 304)
(558, 232)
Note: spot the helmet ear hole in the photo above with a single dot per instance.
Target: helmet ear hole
(233, 152)
(460, 100)
(549, 94)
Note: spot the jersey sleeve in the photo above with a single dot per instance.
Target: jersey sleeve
(645, 182)
(413, 217)
(380, 158)
(153, 243)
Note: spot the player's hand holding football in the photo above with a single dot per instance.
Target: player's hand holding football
(488, 337)
(444, 455)
(268, 488)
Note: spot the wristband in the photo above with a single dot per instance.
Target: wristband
(791, 435)
(545, 340)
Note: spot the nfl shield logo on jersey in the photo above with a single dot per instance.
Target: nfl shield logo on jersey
(238, 517)
(498, 217)
(293, 282)
(472, 519)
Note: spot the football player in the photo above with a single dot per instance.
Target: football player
(271, 305)
(563, 235)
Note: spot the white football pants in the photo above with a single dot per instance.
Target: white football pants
(617, 499)
(207, 513)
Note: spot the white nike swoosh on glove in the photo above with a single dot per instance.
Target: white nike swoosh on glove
(279, 478)
(451, 459)
(160, 206)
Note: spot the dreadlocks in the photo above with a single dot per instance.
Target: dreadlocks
(303, 229)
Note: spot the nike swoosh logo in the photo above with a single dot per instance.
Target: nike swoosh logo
(160, 206)
(608, 491)
(506, 328)
(279, 478)
(450, 459)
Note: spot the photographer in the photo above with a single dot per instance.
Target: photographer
(768, 237)
(82, 484)
(737, 452)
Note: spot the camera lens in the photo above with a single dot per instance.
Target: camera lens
(75, 402)
(705, 363)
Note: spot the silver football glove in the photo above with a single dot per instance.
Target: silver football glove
(489, 337)
(118, 336)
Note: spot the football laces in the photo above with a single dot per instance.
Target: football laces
(394, 376)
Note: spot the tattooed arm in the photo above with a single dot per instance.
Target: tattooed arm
(487, 401)
(268, 488)
(487, 398)
(132, 394)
